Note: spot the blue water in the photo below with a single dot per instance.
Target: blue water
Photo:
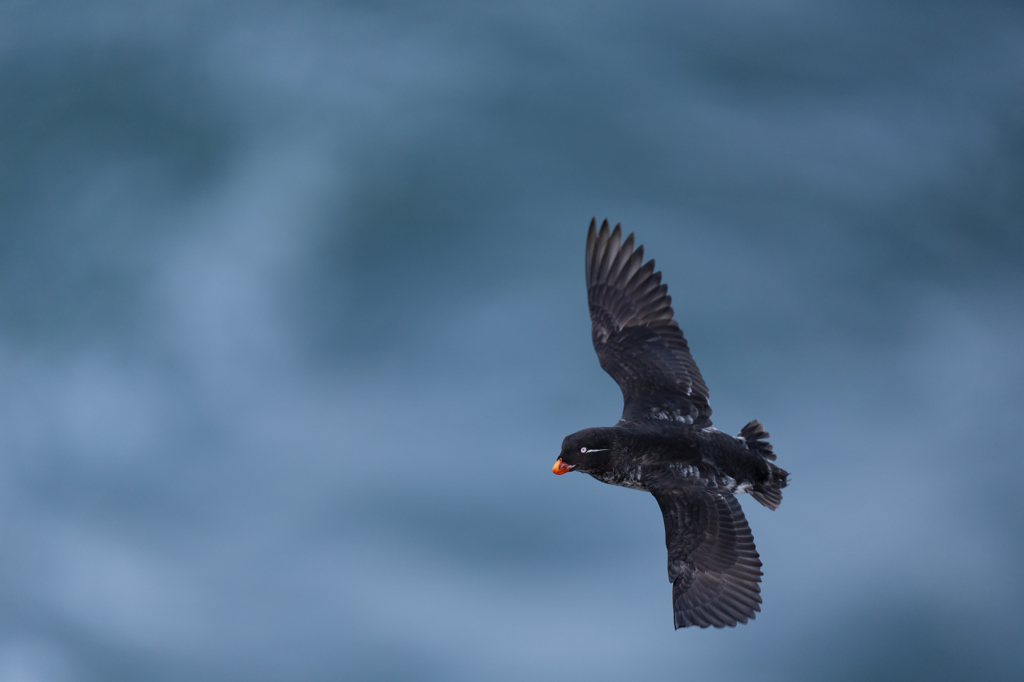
(292, 324)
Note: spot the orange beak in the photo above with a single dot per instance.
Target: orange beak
(560, 468)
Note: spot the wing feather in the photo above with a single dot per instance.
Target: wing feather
(636, 340)
(712, 561)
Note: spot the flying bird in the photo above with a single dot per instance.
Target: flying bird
(665, 444)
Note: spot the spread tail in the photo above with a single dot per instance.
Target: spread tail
(768, 492)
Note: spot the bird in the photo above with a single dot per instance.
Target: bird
(665, 444)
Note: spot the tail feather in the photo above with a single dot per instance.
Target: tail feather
(769, 492)
(769, 497)
(757, 439)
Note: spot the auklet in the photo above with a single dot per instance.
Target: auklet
(665, 444)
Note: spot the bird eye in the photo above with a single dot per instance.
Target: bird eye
(583, 449)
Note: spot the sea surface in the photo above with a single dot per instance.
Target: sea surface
(293, 322)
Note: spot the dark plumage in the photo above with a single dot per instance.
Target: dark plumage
(665, 443)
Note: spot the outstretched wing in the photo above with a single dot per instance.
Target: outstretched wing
(712, 562)
(637, 341)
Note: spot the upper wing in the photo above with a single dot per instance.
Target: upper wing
(712, 562)
(637, 341)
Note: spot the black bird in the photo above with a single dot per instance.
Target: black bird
(665, 444)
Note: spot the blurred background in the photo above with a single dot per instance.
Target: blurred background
(292, 325)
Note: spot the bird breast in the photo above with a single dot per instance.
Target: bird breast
(624, 477)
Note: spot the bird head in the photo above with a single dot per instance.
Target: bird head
(587, 451)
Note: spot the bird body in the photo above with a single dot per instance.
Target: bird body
(665, 444)
(720, 461)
